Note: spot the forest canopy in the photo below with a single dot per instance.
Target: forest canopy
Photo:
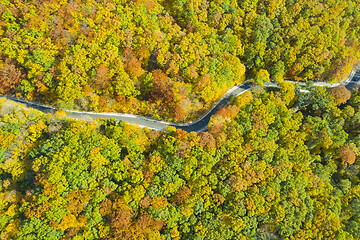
(168, 59)
(263, 171)
(274, 164)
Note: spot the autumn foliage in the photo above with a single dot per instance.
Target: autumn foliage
(167, 60)
(340, 94)
(346, 155)
(275, 164)
(10, 77)
(261, 169)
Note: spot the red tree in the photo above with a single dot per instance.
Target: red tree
(340, 94)
(346, 155)
(207, 140)
(10, 77)
(162, 87)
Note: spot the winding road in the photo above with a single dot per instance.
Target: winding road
(200, 125)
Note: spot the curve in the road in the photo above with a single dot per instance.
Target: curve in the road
(198, 126)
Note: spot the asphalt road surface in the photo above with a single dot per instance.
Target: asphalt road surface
(198, 126)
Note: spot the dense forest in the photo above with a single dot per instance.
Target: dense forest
(273, 165)
(168, 59)
(276, 163)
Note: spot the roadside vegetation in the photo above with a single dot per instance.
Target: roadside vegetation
(168, 59)
(262, 171)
